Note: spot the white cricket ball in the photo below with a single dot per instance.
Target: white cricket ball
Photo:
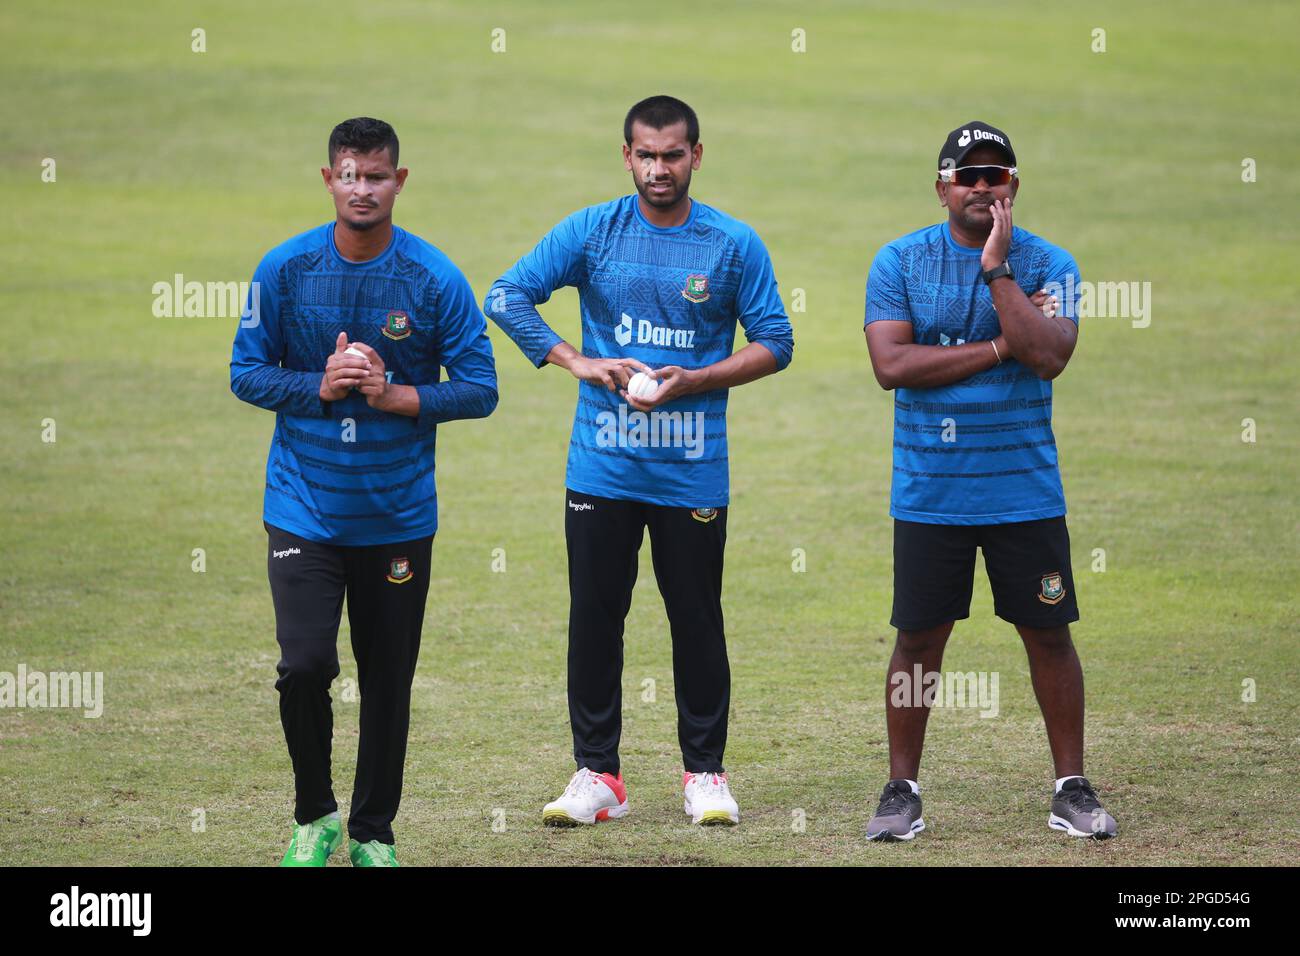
(353, 350)
(642, 385)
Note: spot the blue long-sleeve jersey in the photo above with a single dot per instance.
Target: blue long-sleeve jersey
(343, 472)
(665, 296)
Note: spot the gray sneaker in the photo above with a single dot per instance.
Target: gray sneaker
(899, 815)
(1078, 812)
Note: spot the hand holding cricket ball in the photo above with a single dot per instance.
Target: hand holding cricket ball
(645, 390)
(353, 366)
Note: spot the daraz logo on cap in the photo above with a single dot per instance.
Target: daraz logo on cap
(979, 134)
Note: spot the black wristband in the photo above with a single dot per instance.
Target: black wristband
(997, 272)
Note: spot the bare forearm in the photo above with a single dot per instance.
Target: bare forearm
(746, 365)
(400, 400)
(1043, 344)
(930, 366)
(562, 354)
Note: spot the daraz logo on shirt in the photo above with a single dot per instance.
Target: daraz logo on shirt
(647, 333)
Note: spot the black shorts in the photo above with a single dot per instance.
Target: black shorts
(1028, 563)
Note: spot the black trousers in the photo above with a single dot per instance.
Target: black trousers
(385, 586)
(604, 538)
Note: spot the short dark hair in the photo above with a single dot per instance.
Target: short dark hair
(363, 135)
(659, 112)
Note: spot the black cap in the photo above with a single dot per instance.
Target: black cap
(969, 136)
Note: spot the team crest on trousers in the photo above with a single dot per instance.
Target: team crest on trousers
(399, 571)
(397, 325)
(704, 514)
(1053, 588)
(697, 288)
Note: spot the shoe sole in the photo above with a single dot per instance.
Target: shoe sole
(712, 818)
(560, 817)
(1064, 826)
(887, 836)
(716, 818)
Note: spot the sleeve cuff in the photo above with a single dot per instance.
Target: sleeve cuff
(783, 352)
(548, 343)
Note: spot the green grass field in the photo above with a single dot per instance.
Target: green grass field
(171, 161)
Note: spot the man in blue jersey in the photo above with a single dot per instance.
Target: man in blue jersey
(662, 282)
(957, 325)
(348, 325)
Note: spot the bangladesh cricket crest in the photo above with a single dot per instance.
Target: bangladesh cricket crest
(1053, 588)
(399, 571)
(697, 288)
(704, 514)
(397, 325)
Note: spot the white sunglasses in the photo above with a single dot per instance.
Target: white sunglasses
(970, 175)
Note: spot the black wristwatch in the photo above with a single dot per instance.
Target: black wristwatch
(997, 272)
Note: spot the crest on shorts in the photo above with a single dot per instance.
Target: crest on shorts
(697, 288)
(1053, 588)
(397, 325)
(704, 514)
(399, 571)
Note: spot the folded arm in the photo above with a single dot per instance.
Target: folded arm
(899, 363)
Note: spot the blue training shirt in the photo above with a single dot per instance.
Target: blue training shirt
(371, 483)
(999, 465)
(665, 296)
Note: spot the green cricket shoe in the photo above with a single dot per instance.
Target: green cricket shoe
(313, 842)
(373, 853)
